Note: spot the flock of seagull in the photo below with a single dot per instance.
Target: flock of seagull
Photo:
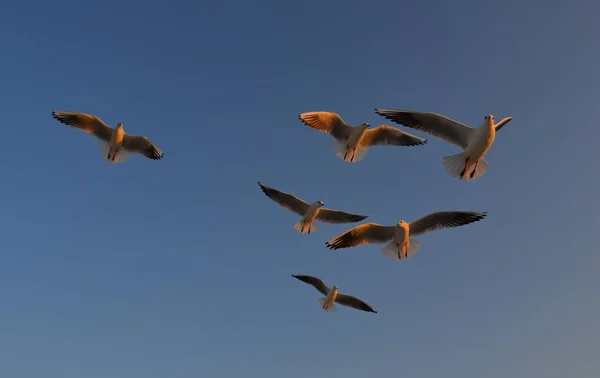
(351, 144)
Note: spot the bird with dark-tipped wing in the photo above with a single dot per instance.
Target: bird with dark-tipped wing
(475, 142)
(333, 295)
(352, 142)
(116, 144)
(309, 212)
(402, 244)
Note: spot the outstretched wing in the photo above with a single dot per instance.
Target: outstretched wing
(314, 281)
(350, 301)
(86, 122)
(367, 233)
(286, 200)
(444, 219)
(432, 123)
(384, 135)
(337, 216)
(327, 122)
(142, 145)
(499, 125)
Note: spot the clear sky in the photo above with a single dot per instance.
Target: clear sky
(181, 267)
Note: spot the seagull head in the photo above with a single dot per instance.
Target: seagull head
(119, 126)
(402, 224)
(334, 287)
(489, 118)
(365, 125)
(320, 203)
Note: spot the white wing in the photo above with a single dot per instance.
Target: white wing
(286, 200)
(390, 136)
(367, 233)
(432, 123)
(444, 219)
(327, 122)
(499, 125)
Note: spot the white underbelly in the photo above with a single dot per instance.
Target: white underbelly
(480, 145)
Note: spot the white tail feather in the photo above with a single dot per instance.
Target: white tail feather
(304, 228)
(331, 307)
(392, 251)
(455, 164)
(482, 167)
(122, 154)
(413, 246)
(359, 154)
(340, 148)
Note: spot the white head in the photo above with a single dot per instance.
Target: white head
(334, 288)
(364, 126)
(402, 224)
(489, 119)
(320, 203)
(119, 126)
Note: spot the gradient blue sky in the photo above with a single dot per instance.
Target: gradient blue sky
(181, 267)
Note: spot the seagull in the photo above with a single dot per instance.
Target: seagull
(116, 144)
(352, 142)
(402, 244)
(309, 213)
(333, 295)
(475, 142)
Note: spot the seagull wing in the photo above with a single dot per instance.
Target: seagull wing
(389, 136)
(444, 219)
(286, 200)
(86, 122)
(314, 281)
(350, 301)
(368, 233)
(432, 123)
(142, 145)
(503, 122)
(327, 122)
(337, 216)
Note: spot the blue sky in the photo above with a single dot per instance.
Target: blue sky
(181, 267)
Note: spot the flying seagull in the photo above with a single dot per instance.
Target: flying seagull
(309, 213)
(352, 142)
(402, 245)
(475, 142)
(116, 144)
(333, 295)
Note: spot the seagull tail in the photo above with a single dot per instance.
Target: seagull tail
(340, 148)
(391, 249)
(347, 155)
(305, 228)
(122, 154)
(331, 307)
(413, 246)
(359, 154)
(455, 164)
(482, 167)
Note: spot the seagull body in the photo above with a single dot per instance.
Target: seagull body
(475, 142)
(402, 244)
(333, 296)
(116, 144)
(352, 142)
(309, 213)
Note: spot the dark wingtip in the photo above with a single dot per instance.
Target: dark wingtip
(262, 187)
